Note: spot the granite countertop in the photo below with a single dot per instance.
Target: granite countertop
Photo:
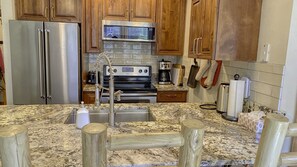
(54, 144)
(171, 87)
(89, 88)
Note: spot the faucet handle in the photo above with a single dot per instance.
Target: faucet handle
(118, 95)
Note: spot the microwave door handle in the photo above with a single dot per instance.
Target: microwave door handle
(47, 68)
(40, 57)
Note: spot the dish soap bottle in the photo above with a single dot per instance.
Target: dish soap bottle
(82, 116)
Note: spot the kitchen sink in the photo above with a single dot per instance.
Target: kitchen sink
(132, 115)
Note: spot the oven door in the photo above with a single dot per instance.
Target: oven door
(133, 98)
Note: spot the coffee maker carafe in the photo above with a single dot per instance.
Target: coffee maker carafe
(164, 72)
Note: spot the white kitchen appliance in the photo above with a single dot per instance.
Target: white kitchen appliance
(177, 75)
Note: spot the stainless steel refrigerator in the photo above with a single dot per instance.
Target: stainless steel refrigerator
(45, 62)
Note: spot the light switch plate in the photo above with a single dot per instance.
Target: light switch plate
(266, 53)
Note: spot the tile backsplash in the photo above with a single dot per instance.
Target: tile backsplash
(131, 53)
(266, 80)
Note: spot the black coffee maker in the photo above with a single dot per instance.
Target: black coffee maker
(92, 77)
(164, 72)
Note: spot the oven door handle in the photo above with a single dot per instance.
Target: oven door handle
(132, 94)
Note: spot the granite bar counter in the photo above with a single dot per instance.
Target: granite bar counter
(171, 87)
(55, 144)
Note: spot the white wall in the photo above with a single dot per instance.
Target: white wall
(8, 13)
(289, 93)
(274, 29)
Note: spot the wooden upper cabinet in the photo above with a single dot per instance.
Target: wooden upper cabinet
(65, 10)
(195, 26)
(202, 29)
(49, 10)
(170, 19)
(238, 30)
(129, 10)
(225, 29)
(116, 10)
(37, 10)
(93, 23)
(205, 43)
(143, 10)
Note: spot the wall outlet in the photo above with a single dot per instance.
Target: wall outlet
(265, 53)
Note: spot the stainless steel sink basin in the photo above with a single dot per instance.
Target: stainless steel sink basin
(101, 116)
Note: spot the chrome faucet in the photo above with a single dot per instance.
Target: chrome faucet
(111, 90)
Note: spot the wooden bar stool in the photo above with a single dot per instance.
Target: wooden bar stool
(14, 146)
(95, 143)
(276, 128)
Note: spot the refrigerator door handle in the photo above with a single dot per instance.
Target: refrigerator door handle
(47, 68)
(41, 78)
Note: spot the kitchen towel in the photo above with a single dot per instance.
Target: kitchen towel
(204, 66)
(213, 74)
(236, 96)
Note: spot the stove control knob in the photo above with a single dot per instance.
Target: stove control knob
(145, 71)
(140, 71)
(115, 70)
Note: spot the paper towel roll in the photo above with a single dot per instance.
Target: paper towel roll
(236, 96)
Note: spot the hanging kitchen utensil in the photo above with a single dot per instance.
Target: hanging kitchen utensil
(192, 83)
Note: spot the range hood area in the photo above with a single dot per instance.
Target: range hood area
(128, 31)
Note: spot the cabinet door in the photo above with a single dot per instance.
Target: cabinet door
(142, 10)
(170, 18)
(206, 41)
(93, 24)
(32, 10)
(195, 27)
(89, 97)
(65, 10)
(116, 10)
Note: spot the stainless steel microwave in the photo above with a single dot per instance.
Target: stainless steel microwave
(128, 31)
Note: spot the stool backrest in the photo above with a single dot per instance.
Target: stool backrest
(276, 129)
(95, 143)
